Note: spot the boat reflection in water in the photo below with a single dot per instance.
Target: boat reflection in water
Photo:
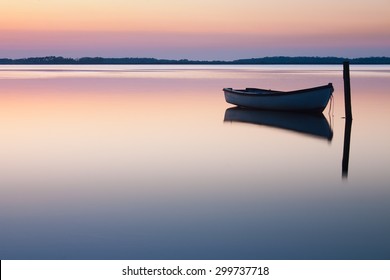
(306, 123)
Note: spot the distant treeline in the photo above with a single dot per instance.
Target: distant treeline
(136, 60)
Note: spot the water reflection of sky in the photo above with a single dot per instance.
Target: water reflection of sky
(131, 167)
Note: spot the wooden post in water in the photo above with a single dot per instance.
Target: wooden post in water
(348, 118)
(347, 91)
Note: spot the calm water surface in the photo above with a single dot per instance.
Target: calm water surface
(149, 162)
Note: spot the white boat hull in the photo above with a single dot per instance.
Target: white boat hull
(306, 100)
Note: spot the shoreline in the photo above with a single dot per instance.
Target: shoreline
(276, 60)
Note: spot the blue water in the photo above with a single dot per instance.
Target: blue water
(141, 162)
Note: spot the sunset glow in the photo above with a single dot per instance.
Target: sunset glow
(194, 29)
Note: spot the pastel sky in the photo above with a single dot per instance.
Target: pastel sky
(194, 29)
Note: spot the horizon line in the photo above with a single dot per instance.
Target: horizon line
(152, 60)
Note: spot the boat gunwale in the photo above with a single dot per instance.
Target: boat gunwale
(268, 93)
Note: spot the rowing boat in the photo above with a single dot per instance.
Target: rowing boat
(304, 100)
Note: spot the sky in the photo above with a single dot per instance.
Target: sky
(194, 29)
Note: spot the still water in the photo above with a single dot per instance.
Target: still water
(149, 162)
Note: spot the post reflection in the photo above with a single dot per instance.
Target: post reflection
(347, 142)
